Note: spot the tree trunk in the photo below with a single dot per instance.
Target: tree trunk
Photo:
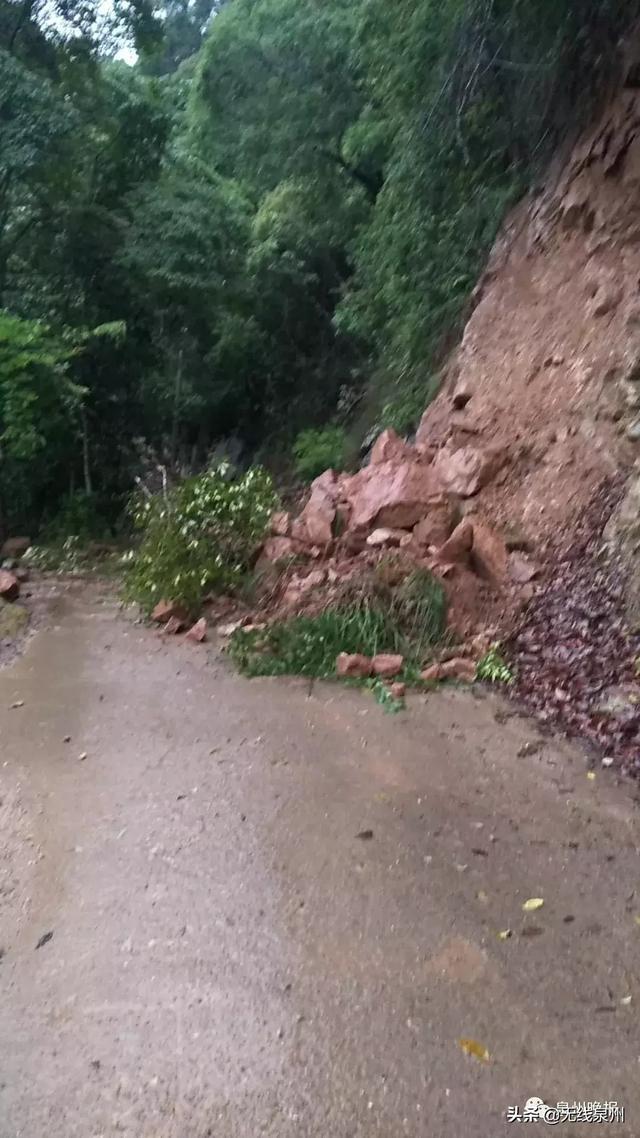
(86, 468)
(177, 393)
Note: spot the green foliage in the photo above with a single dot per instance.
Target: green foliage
(35, 393)
(283, 207)
(316, 450)
(198, 537)
(370, 619)
(493, 668)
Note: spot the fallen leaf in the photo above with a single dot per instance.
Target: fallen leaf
(44, 939)
(472, 1047)
(505, 934)
(365, 835)
(18, 703)
(82, 757)
(532, 904)
(482, 896)
(637, 920)
(591, 775)
(626, 1000)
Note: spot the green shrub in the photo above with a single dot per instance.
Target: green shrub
(315, 450)
(199, 537)
(409, 620)
(79, 515)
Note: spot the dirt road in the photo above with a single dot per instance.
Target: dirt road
(276, 912)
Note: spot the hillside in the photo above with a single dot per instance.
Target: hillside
(529, 453)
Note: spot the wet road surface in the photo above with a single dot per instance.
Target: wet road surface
(275, 911)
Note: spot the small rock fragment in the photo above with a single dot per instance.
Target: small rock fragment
(174, 625)
(384, 536)
(9, 586)
(522, 569)
(165, 610)
(198, 631)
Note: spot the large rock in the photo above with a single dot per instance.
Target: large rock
(389, 447)
(391, 494)
(465, 471)
(15, 546)
(489, 555)
(458, 546)
(438, 525)
(316, 521)
(9, 586)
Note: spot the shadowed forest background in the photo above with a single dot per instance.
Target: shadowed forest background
(263, 233)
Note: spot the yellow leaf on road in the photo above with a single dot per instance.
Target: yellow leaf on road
(591, 775)
(505, 934)
(532, 904)
(472, 1047)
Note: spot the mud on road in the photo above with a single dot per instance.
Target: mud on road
(276, 911)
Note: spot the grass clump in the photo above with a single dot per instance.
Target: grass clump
(198, 537)
(370, 617)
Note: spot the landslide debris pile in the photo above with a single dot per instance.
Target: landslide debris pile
(411, 507)
(519, 464)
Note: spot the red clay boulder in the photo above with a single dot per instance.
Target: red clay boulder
(457, 547)
(353, 665)
(389, 447)
(9, 586)
(489, 555)
(315, 524)
(391, 494)
(465, 471)
(436, 528)
(387, 665)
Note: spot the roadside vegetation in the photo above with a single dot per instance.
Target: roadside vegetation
(369, 618)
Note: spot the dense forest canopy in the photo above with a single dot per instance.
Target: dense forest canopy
(270, 222)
